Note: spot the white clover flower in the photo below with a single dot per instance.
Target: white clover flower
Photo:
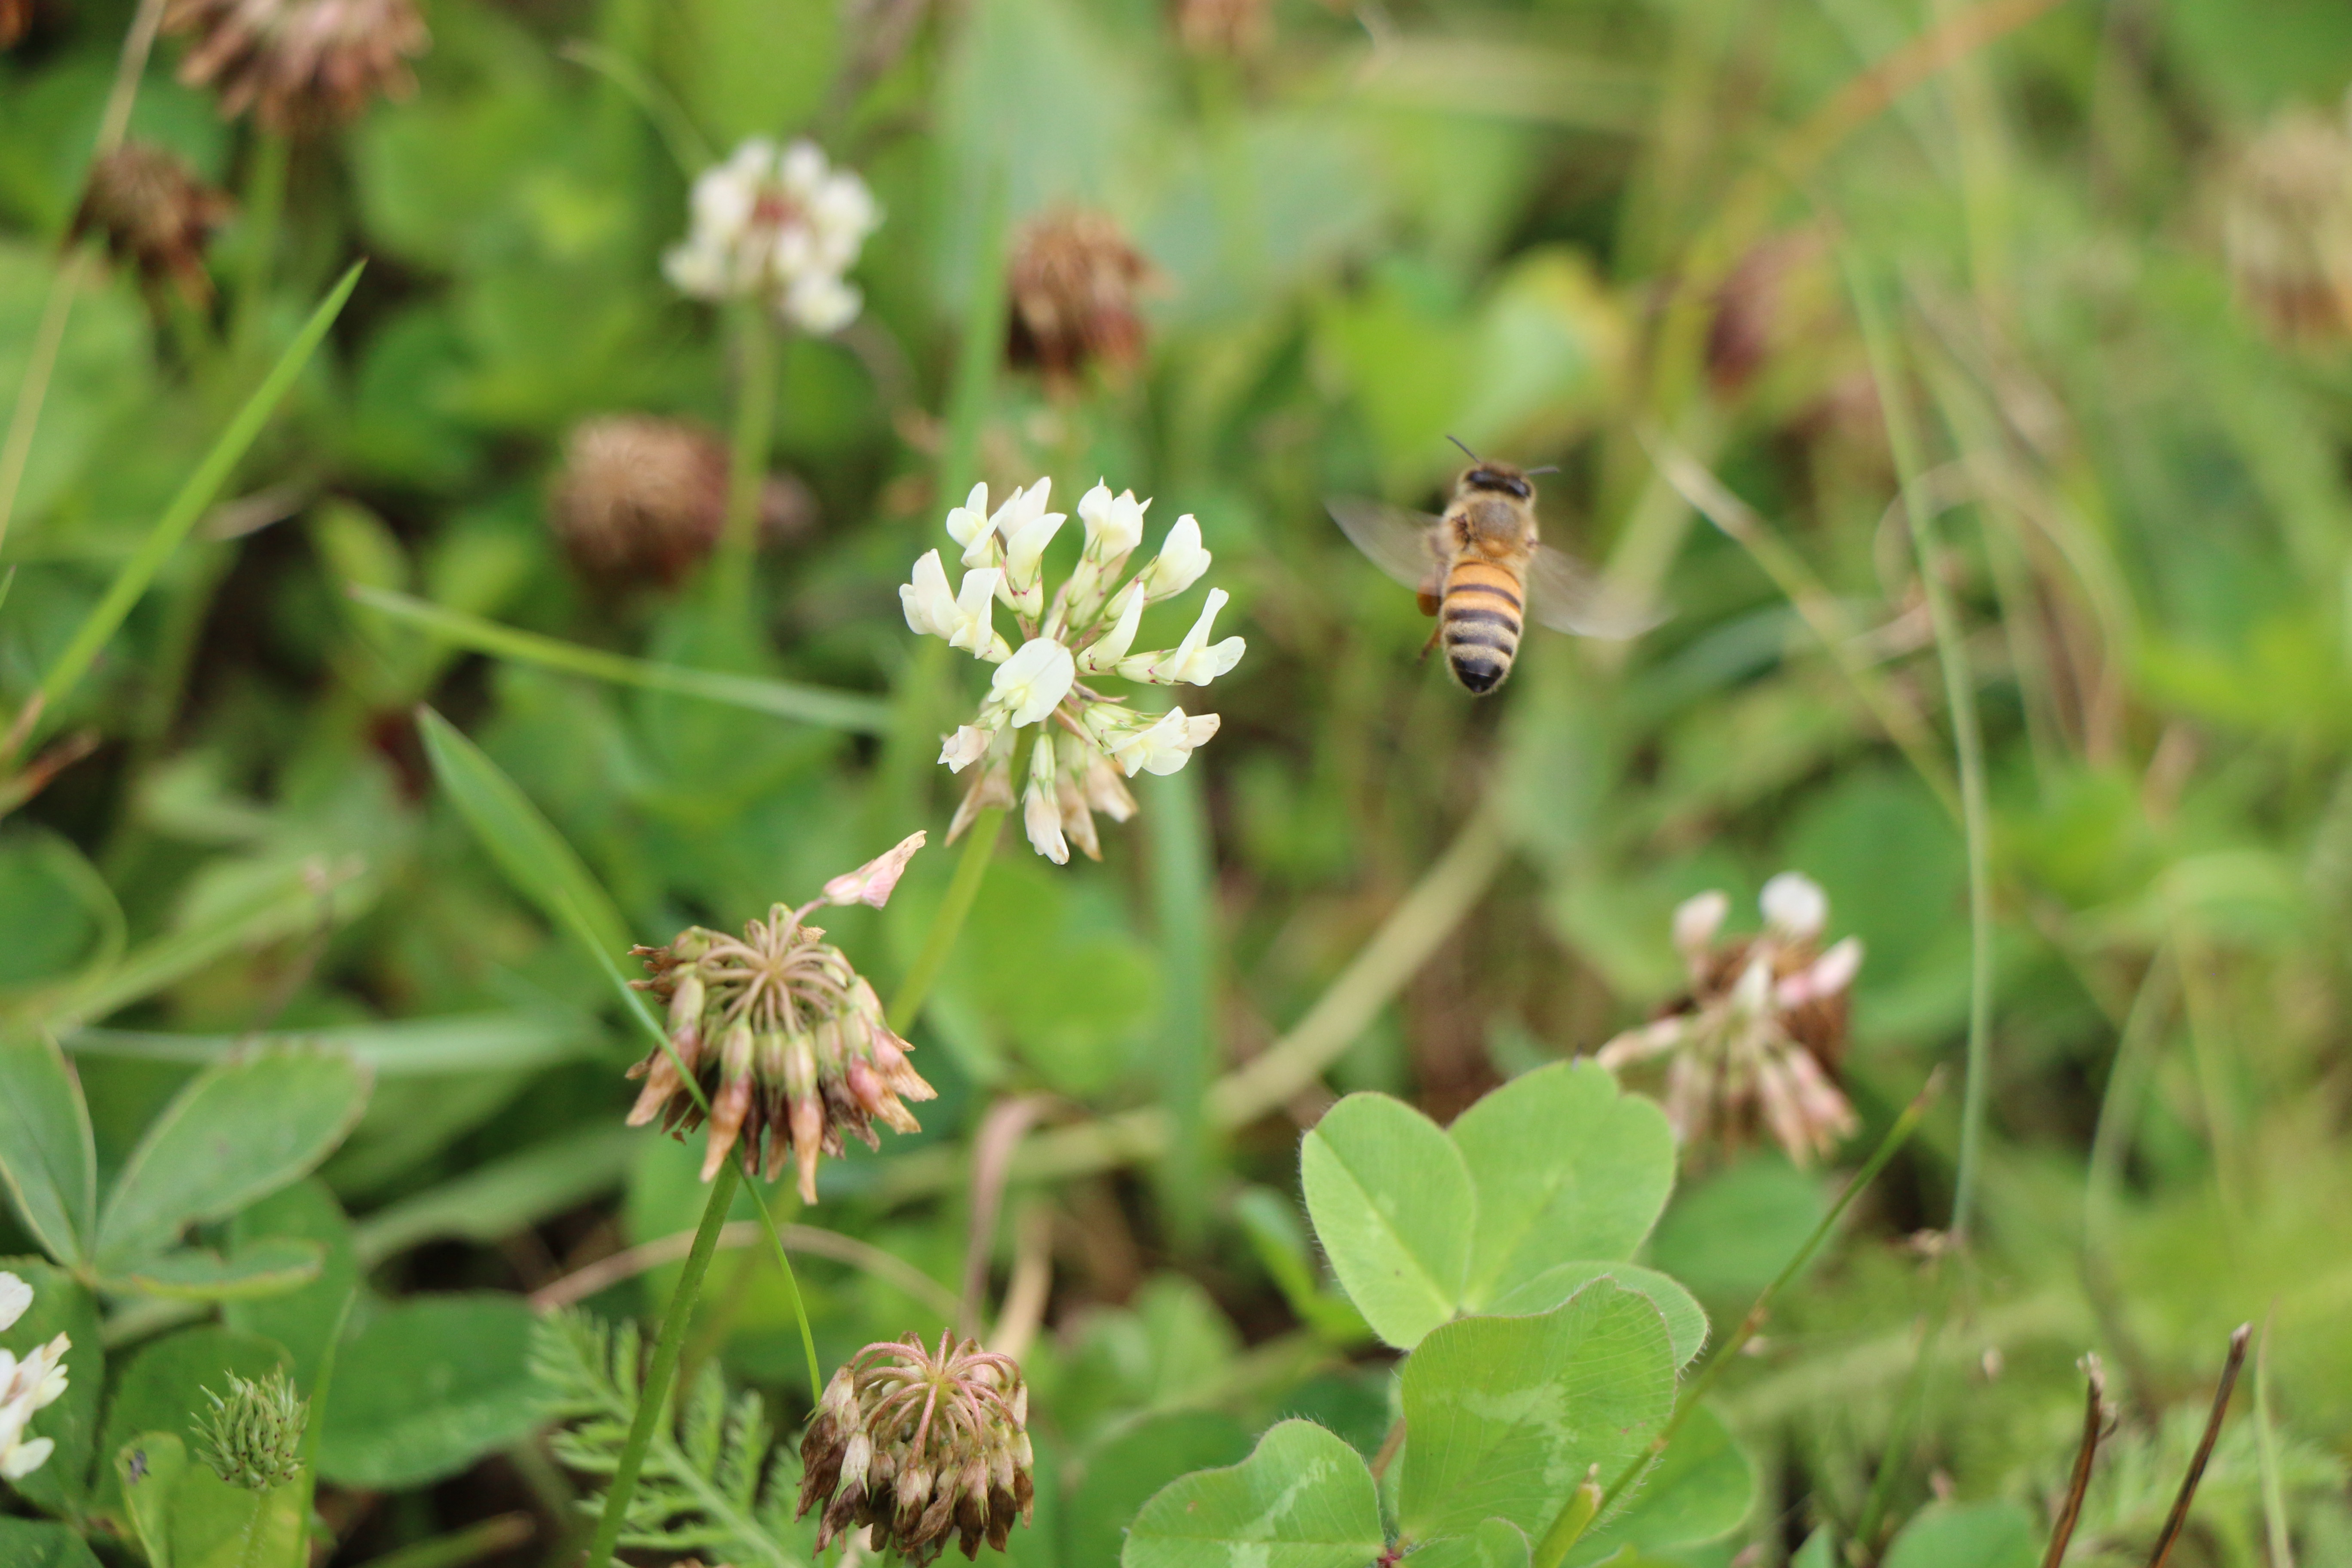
(27, 1386)
(777, 225)
(1763, 1025)
(1090, 742)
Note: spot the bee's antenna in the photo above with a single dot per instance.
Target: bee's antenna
(1465, 451)
(1547, 468)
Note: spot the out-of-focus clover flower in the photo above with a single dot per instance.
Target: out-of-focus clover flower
(777, 225)
(252, 1438)
(921, 1445)
(300, 65)
(154, 212)
(1074, 277)
(27, 1386)
(1093, 741)
(1762, 1027)
(644, 499)
(786, 1041)
(2286, 223)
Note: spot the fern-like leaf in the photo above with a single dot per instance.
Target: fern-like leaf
(715, 1481)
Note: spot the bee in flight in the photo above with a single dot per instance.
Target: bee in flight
(1480, 569)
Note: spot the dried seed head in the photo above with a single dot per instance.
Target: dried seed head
(155, 214)
(300, 65)
(1755, 1042)
(786, 1043)
(2286, 224)
(922, 1446)
(253, 1437)
(1074, 278)
(1236, 28)
(642, 499)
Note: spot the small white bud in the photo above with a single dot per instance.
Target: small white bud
(1794, 906)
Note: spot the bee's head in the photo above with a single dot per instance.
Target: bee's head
(1500, 477)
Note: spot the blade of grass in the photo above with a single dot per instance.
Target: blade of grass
(193, 498)
(407, 1047)
(542, 867)
(1889, 371)
(779, 698)
(2282, 1542)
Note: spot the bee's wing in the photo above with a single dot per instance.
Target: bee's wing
(1568, 596)
(1398, 541)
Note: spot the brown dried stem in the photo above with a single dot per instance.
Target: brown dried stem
(2094, 1421)
(2179, 1517)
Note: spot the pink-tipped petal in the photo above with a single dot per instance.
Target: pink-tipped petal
(872, 882)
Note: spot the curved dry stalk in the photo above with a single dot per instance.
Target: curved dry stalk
(991, 1161)
(814, 1240)
(2095, 1422)
(2179, 1519)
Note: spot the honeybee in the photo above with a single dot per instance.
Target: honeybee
(1481, 568)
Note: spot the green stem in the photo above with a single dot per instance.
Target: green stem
(653, 1398)
(1959, 693)
(17, 449)
(1696, 1389)
(1181, 870)
(1575, 1516)
(979, 847)
(746, 461)
(264, 209)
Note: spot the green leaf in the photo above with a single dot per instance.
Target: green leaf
(194, 1274)
(1506, 1415)
(504, 1195)
(1565, 1166)
(48, 1156)
(237, 1132)
(1494, 1543)
(1122, 1474)
(193, 499)
(1700, 1488)
(1270, 1220)
(1391, 1201)
(1966, 1535)
(426, 1388)
(1685, 1318)
(148, 1470)
(216, 1525)
(1302, 1500)
(37, 1543)
(521, 842)
(760, 694)
(162, 1389)
(60, 1306)
(305, 1321)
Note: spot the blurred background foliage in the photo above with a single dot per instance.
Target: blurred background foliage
(2113, 239)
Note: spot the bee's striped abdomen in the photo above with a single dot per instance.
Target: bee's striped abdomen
(1480, 619)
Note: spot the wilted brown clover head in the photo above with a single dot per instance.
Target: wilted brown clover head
(786, 1041)
(1074, 277)
(155, 215)
(921, 1445)
(300, 65)
(644, 499)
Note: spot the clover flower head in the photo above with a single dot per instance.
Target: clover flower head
(1759, 1035)
(642, 499)
(921, 1445)
(252, 1436)
(27, 1386)
(1086, 629)
(779, 224)
(154, 214)
(786, 1042)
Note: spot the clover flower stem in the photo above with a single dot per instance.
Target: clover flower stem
(1551, 1552)
(265, 208)
(655, 1396)
(1181, 873)
(73, 269)
(755, 416)
(907, 1004)
(980, 355)
(1968, 736)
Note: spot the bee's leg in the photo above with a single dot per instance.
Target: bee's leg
(1435, 632)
